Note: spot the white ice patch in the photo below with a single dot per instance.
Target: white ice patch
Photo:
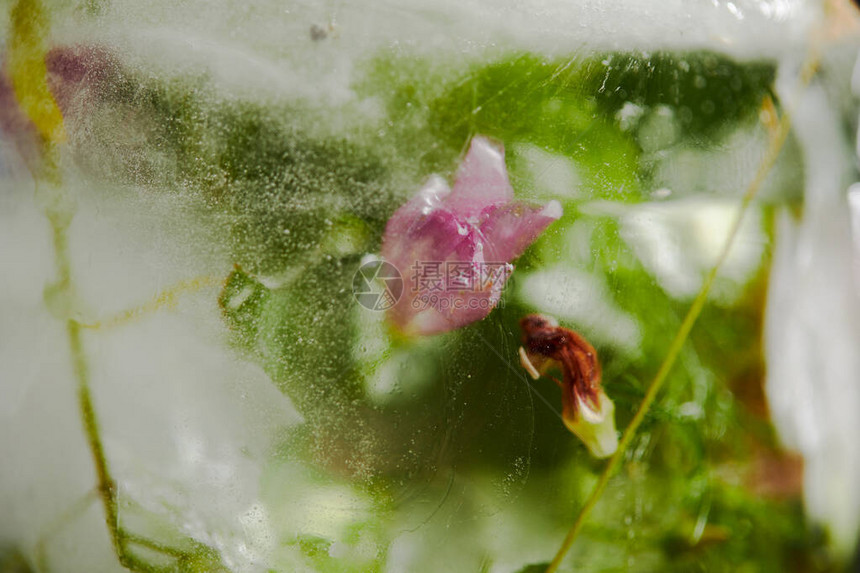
(552, 174)
(187, 425)
(679, 241)
(854, 205)
(812, 329)
(582, 299)
(274, 50)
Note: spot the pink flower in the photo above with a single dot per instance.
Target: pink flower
(454, 246)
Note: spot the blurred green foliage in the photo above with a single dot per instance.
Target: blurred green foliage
(459, 438)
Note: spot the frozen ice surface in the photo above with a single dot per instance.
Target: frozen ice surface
(187, 422)
(266, 49)
(264, 145)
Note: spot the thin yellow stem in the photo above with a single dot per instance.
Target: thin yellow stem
(165, 299)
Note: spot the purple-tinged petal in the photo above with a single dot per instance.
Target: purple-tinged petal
(432, 307)
(509, 229)
(412, 213)
(455, 311)
(426, 238)
(17, 125)
(80, 73)
(77, 77)
(473, 229)
(481, 181)
(425, 250)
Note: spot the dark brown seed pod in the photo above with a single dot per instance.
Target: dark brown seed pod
(586, 410)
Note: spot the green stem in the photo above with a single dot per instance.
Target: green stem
(28, 74)
(777, 142)
(63, 288)
(59, 217)
(105, 483)
(153, 545)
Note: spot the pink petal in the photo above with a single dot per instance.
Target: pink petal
(428, 199)
(438, 239)
(13, 122)
(79, 73)
(510, 229)
(413, 236)
(474, 227)
(474, 307)
(427, 313)
(482, 180)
